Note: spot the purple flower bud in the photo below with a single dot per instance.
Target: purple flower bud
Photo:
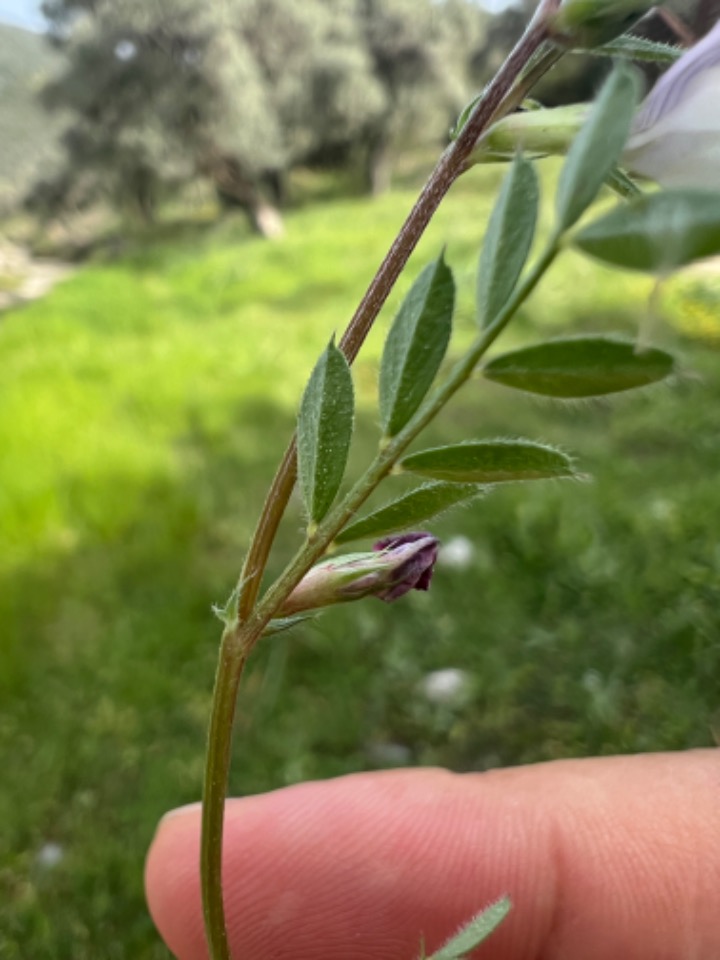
(675, 137)
(416, 565)
(396, 565)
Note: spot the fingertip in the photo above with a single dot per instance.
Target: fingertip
(365, 865)
(172, 881)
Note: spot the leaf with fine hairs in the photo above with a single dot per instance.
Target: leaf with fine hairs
(507, 240)
(574, 367)
(656, 233)
(411, 510)
(597, 147)
(490, 461)
(325, 425)
(416, 345)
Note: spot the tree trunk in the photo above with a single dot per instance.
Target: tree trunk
(145, 198)
(138, 195)
(275, 182)
(236, 189)
(378, 166)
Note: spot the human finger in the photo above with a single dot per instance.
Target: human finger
(602, 858)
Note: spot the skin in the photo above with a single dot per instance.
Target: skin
(604, 859)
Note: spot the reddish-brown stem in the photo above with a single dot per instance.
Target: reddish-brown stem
(449, 167)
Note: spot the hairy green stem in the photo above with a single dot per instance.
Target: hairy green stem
(239, 640)
(217, 764)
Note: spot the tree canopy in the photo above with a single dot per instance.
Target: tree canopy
(241, 91)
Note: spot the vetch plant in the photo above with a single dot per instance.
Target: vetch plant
(653, 232)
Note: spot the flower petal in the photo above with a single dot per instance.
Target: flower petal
(675, 137)
(675, 85)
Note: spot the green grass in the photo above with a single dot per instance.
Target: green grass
(143, 406)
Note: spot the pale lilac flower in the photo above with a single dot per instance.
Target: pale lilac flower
(675, 137)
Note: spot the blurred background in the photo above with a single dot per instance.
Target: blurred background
(192, 198)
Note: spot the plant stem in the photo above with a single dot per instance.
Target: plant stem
(499, 98)
(544, 59)
(217, 765)
(238, 641)
(623, 185)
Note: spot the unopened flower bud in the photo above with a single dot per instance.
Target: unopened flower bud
(535, 133)
(449, 686)
(419, 552)
(590, 23)
(675, 137)
(396, 565)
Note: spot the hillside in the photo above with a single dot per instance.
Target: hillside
(28, 136)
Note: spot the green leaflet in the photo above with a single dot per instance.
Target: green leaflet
(596, 148)
(630, 47)
(472, 934)
(325, 426)
(416, 345)
(656, 232)
(410, 510)
(490, 461)
(464, 116)
(508, 239)
(591, 366)
(281, 624)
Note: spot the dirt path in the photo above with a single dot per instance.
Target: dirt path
(24, 278)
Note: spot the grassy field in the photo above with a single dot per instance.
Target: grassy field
(142, 409)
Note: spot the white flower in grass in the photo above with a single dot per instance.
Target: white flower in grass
(457, 553)
(675, 137)
(50, 855)
(449, 687)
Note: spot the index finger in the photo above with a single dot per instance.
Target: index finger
(603, 859)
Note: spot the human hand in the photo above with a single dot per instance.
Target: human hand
(615, 858)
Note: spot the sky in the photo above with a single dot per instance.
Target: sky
(26, 13)
(22, 13)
